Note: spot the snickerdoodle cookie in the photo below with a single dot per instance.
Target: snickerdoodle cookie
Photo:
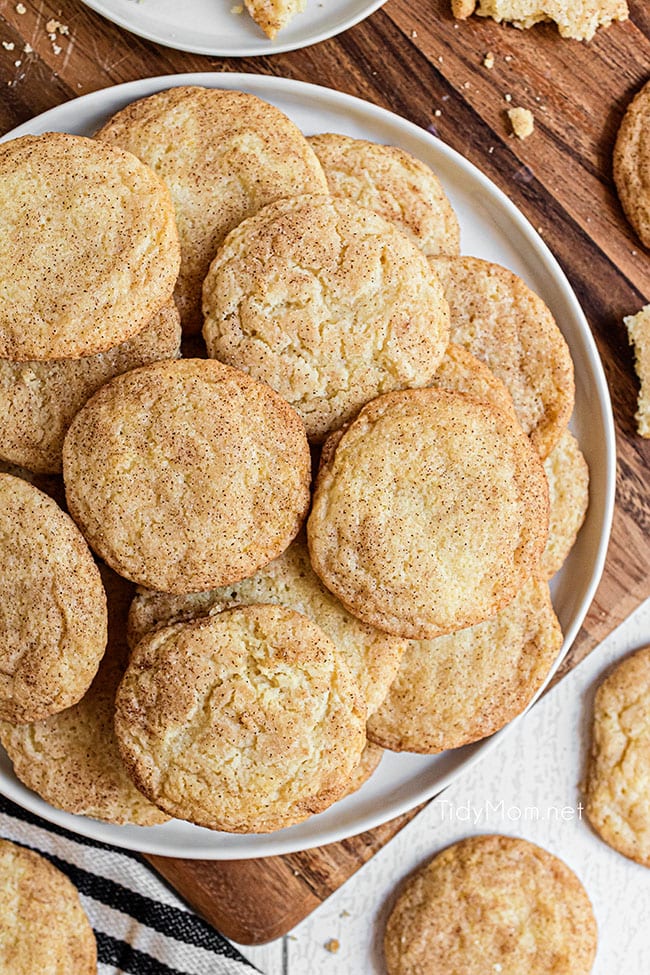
(43, 927)
(638, 330)
(466, 685)
(187, 475)
(462, 372)
(273, 15)
(577, 19)
(492, 904)
(632, 163)
(372, 656)
(394, 184)
(368, 764)
(52, 606)
(89, 250)
(39, 400)
(568, 482)
(71, 759)
(618, 779)
(501, 321)
(328, 303)
(224, 156)
(429, 514)
(247, 721)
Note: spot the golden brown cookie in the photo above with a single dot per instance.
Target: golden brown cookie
(49, 484)
(578, 19)
(632, 163)
(44, 928)
(638, 330)
(394, 184)
(372, 656)
(430, 514)
(462, 372)
(273, 15)
(326, 302)
(368, 764)
(52, 606)
(568, 483)
(187, 475)
(618, 779)
(224, 156)
(466, 685)
(71, 759)
(492, 904)
(247, 721)
(88, 247)
(501, 321)
(39, 400)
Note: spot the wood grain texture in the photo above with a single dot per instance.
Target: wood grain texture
(414, 59)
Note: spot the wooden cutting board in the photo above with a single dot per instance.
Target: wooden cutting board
(415, 60)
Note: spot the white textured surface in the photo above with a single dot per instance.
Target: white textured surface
(528, 787)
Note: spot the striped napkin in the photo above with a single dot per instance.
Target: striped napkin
(141, 927)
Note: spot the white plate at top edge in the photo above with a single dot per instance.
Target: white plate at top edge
(492, 228)
(212, 27)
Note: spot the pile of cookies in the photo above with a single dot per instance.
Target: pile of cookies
(285, 629)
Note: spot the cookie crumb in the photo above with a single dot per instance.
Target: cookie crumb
(56, 49)
(522, 121)
(237, 9)
(332, 945)
(21, 8)
(508, 97)
(28, 49)
(17, 64)
(437, 113)
(508, 58)
(344, 914)
(8, 45)
(52, 26)
(488, 60)
(414, 34)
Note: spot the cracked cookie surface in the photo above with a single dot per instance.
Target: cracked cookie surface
(497, 318)
(39, 400)
(187, 475)
(618, 779)
(429, 513)
(371, 655)
(568, 487)
(52, 606)
(89, 249)
(466, 685)
(393, 184)
(224, 156)
(492, 904)
(247, 721)
(632, 163)
(328, 303)
(44, 927)
(71, 759)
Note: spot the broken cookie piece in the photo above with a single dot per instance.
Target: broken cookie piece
(578, 19)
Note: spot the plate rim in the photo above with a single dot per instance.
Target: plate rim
(146, 840)
(265, 47)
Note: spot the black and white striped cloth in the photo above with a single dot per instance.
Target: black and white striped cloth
(141, 927)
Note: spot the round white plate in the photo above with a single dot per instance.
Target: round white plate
(492, 228)
(211, 27)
